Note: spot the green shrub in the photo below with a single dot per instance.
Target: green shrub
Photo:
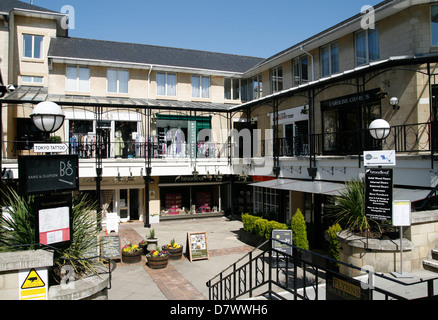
(248, 222)
(334, 242)
(299, 233)
(274, 225)
(260, 226)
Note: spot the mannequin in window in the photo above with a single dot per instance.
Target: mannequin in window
(119, 145)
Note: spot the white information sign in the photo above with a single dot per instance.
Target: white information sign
(47, 147)
(401, 213)
(379, 158)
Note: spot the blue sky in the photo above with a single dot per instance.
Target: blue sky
(245, 27)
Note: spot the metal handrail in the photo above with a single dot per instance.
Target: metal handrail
(228, 284)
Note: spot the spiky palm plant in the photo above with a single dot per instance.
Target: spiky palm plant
(17, 232)
(348, 208)
(17, 222)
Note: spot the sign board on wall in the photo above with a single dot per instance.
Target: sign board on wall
(48, 173)
(33, 284)
(54, 224)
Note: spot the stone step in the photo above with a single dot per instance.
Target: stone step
(435, 254)
(431, 265)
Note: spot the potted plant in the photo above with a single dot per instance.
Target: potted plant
(152, 241)
(174, 249)
(143, 244)
(157, 259)
(131, 253)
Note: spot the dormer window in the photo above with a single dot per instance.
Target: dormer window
(32, 46)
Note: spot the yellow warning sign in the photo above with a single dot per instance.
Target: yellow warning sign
(33, 280)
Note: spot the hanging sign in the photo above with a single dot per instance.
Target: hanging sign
(197, 246)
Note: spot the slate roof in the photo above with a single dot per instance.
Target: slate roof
(8, 5)
(88, 49)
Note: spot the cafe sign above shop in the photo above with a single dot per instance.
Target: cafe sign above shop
(370, 96)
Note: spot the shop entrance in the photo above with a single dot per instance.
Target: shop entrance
(128, 204)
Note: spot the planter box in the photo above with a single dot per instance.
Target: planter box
(157, 262)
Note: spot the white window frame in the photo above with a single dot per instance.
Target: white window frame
(367, 46)
(234, 92)
(201, 89)
(166, 84)
(117, 91)
(32, 80)
(297, 79)
(330, 48)
(33, 36)
(77, 86)
(276, 79)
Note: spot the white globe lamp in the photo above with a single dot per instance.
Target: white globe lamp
(47, 116)
(379, 129)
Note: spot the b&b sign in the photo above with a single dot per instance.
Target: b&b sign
(48, 173)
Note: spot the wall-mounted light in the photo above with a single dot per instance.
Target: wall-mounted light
(394, 103)
(305, 110)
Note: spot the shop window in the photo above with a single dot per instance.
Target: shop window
(126, 142)
(184, 136)
(28, 134)
(82, 139)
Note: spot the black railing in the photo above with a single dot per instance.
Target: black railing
(125, 150)
(304, 275)
(403, 139)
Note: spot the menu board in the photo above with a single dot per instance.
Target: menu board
(197, 246)
(111, 247)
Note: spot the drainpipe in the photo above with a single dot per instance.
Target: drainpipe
(149, 81)
(311, 56)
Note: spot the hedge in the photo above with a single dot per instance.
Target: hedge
(261, 227)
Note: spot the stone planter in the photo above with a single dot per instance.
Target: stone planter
(152, 244)
(131, 257)
(157, 262)
(381, 255)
